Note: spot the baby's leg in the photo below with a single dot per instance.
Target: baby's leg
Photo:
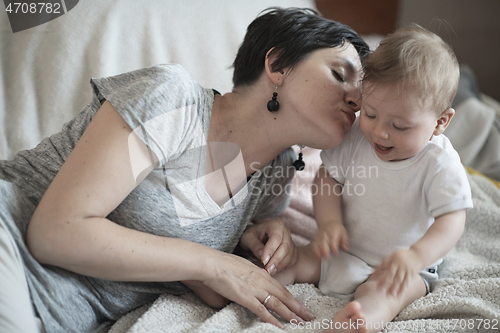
(372, 309)
(307, 269)
(208, 295)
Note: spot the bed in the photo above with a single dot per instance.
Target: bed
(45, 74)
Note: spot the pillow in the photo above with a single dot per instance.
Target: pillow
(475, 129)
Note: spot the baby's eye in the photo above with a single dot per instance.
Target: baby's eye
(369, 116)
(338, 76)
(399, 128)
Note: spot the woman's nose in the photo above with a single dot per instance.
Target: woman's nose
(353, 98)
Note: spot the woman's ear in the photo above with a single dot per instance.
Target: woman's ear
(275, 77)
(443, 121)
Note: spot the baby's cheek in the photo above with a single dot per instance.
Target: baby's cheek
(364, 128)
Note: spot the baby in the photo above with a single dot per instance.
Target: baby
(400, 206)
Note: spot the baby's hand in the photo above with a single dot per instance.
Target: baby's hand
(394, 274)
(329, 238)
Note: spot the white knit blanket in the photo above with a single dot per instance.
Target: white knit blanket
(465, 299)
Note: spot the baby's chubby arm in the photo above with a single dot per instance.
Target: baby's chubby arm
(396, 270)
(440, 238)
(327, 203)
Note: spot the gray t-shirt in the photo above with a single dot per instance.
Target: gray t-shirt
(160, 103)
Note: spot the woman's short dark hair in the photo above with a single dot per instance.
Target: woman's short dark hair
(293, 33)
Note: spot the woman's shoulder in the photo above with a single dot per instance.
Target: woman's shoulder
(149, 92)
(162, 103)
(144, 79)
(151, 71)
(163, 72)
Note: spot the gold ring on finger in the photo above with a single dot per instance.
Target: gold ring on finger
(266, 300)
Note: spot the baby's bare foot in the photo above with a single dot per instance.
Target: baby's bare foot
(349, 319)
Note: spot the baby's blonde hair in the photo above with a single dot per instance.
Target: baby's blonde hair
(416, 60)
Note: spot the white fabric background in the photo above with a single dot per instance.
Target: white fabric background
(45, 70)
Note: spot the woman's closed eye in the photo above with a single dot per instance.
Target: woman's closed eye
(338, 76)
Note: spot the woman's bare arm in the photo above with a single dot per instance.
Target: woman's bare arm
(69, 228)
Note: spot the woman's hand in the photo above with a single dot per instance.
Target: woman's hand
(394, 274)
(271, 242)
(328, 238)
(237, 279)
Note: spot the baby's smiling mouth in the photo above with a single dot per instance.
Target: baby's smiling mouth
(382, 149)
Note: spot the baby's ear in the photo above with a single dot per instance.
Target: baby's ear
(443, 121)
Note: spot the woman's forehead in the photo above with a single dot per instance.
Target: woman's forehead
(348, 55)
(344, 54)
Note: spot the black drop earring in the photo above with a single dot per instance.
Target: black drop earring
(273, 104)
(299, 164)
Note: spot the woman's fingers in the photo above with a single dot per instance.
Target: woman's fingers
(250, 241)
(282, 302)
(285, 254)
(274, 250)
(274, 304)
(288, 307)
(248, 285)
(279, 250)
(263, 313)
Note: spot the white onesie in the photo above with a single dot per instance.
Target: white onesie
(388, 206)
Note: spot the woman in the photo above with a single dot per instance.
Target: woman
(156, 180)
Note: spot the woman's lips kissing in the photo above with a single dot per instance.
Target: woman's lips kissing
(351, 116)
